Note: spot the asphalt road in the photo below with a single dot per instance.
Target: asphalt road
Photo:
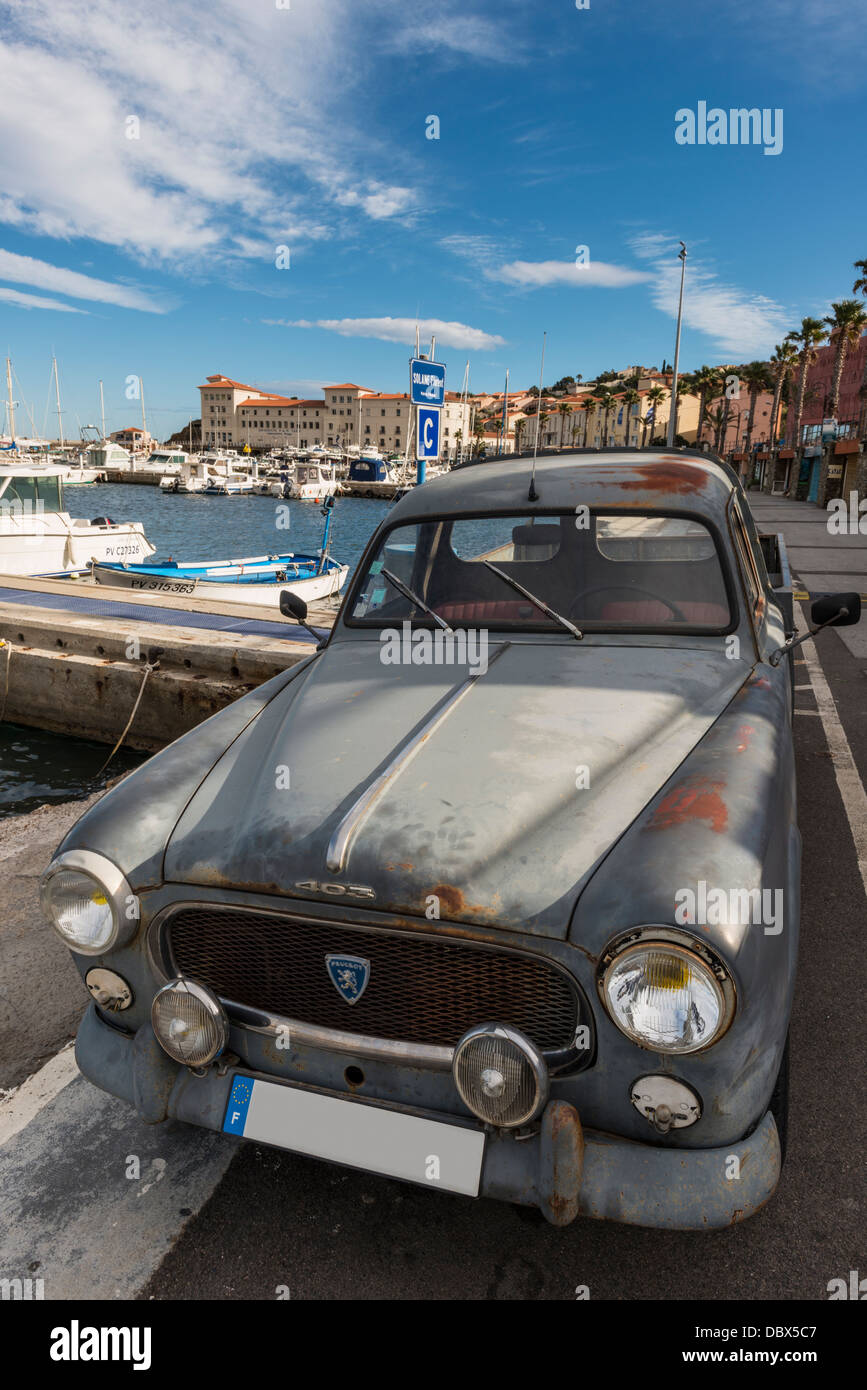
(94, 1201)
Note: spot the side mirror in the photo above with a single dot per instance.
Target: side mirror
(831, 610)
(836, 610)
(291, 606)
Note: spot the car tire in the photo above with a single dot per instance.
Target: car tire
(779, 1106)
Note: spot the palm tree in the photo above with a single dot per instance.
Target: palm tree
(806, 339)
(718, 417)
(591, 405)
(630, 398)
(563, 409)
(782, 364)
(606, 401)
(705, 382)
(520, 426)
(756, 377)
(846, 324)
(860, 287)
(543, 420)
(656, 395)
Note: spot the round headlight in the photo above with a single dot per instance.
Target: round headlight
(88, 902)
(500, 1075)
(665, 997)
(79, 906)
(189, 1023)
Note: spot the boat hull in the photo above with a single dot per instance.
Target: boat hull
(51, 547)
(312, 589)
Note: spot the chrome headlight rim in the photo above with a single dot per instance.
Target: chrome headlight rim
(108, 877)
(657, 934)
(533, 1056)
(214, 1007)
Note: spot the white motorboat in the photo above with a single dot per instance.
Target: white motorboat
(216, 474)
(313, 482)
(38, 537)
(103, 454)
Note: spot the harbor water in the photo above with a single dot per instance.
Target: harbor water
(191, 527)
(38, 767)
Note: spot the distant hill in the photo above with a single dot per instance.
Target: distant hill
(182, 437)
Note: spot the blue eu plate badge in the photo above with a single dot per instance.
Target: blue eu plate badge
(239, 1104)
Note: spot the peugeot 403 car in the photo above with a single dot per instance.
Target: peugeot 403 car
(498, 891)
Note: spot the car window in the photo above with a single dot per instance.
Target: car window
(748, 562)
(601, 570)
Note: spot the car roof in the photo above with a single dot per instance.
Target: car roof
(635, 480)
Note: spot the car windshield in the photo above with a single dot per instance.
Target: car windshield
(598, 570)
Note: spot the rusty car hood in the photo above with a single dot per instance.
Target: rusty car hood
(512, 795)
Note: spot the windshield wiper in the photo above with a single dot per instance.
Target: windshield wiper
(543, 607)
(414, 598)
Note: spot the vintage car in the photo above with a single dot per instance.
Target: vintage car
(497, 891)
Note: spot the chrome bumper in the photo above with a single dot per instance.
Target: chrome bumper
(563, 1170)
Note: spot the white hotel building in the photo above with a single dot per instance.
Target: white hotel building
(348, 415)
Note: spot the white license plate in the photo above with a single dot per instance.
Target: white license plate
(359, 1135)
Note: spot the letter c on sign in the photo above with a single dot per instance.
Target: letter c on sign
(428, 424)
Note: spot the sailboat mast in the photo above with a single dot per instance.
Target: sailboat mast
(57, 398)
(102, 410)
(11, 402)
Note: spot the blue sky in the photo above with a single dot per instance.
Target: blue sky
(305, 127)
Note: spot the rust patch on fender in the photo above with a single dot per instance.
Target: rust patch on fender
(669, 475)
(695, 799)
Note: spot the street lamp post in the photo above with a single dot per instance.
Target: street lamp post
(672, 413)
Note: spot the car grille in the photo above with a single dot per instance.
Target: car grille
(419, 990)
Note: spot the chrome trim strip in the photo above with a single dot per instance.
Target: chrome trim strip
(331, 1040)
(338, 847)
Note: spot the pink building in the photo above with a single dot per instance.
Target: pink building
(819, 382)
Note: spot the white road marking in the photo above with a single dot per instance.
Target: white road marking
(22, 1104)
(845, 769)
(93, 1198)
(814, 712)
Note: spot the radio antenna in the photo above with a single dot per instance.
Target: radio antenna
(532, 495)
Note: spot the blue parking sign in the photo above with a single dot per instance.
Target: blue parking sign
(427, 382)
(428, 440)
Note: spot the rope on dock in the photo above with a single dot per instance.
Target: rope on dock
(8, 646)
(149, 667)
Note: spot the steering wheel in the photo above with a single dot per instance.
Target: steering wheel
(677, 613)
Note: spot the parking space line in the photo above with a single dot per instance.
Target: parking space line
(849, 781)
(19, 1106)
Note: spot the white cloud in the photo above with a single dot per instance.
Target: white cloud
(484, 252)
(447, 333)
(379, 200)
(25, 270)
(245, 120)
(456, 33)
(33, 301)
(536, 274)
(742, 323)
